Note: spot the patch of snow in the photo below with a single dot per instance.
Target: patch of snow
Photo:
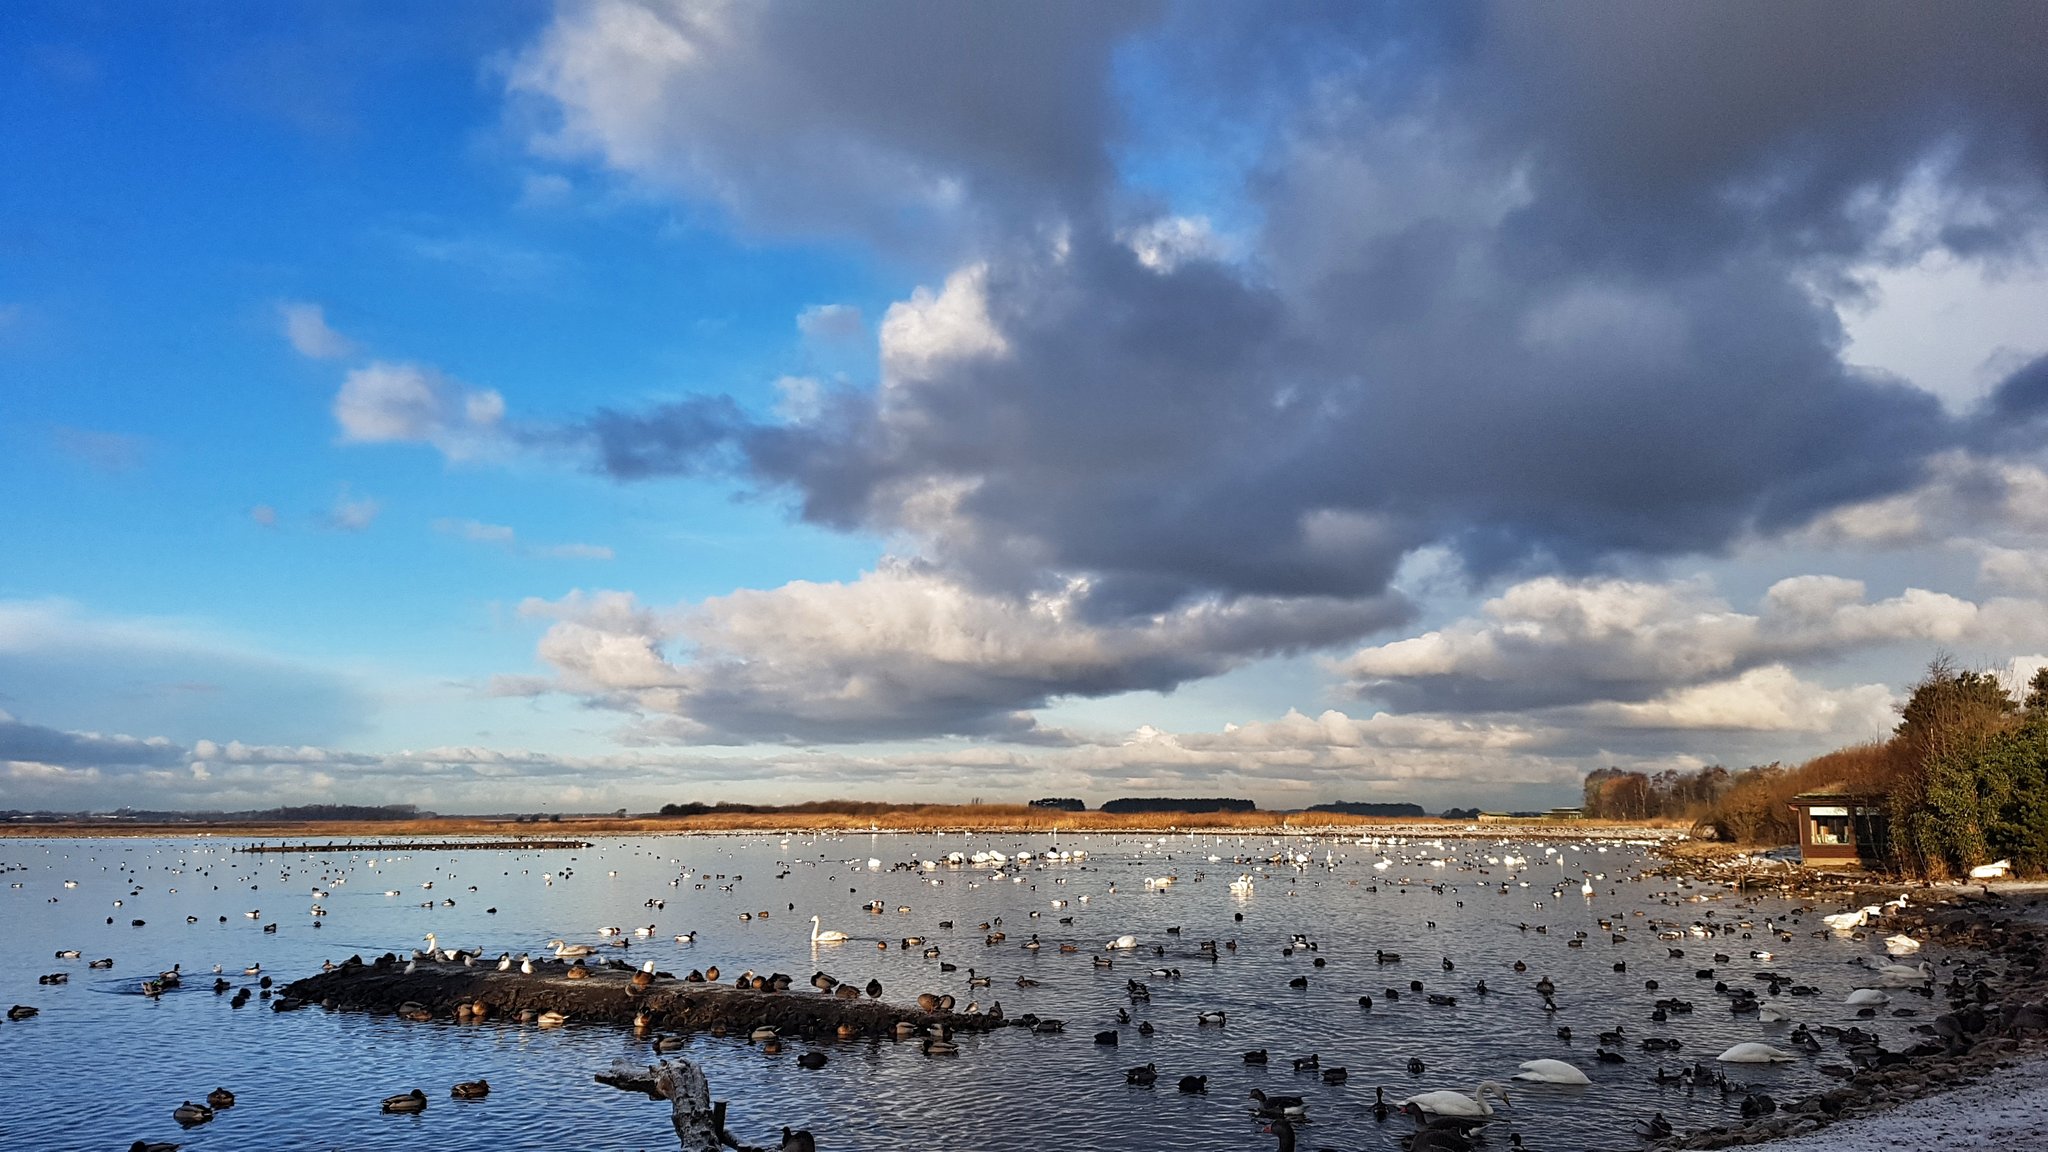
(2007, 1109)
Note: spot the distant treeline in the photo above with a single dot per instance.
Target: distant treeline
(868, 808)
(1964, 777)
(1061, 804)
(1148, 804)
(1364, 808)
(295, 814)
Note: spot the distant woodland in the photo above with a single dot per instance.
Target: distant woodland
(1964, 776)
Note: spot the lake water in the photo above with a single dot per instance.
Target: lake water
(102, 1065)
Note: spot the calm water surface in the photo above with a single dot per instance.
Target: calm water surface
(103, 1065)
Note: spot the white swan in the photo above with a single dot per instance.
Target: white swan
(1552, 1072)
(1904, 975)
(1755, 1052)
(1125, 942)
(831, 937)
(568, 951)
(1850, 921)
(1448, 1102)
(1900, 945)
(1866, 998)
(1991, 871)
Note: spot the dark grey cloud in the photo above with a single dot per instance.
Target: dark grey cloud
(1547, 285)
(1670, 130)
(33, 743)
(896, 121)
(2021, 397)
(1545, 298)
(689, 437)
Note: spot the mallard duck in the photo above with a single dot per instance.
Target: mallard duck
(220, 1098)
(471, 1090)
(191, 1115)
(413, 1101)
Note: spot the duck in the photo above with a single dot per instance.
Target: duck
(1379, 1104)
(158, 1146)
(1552, 1072)
(191, 1115)
(220, 1098)
(1194, 1085)
(800, 1140)
(1278, 1106)
(829, 936)
(812, 1060)
(933, 1046)
(471, 1090)
(552, 1019)
(1215, 1017)
(413, 1101)
(1450, 1102)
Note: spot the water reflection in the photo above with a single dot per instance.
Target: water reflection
(1297, 942)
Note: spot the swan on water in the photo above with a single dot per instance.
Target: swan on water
(1755, 1052)
(1552, 1072)
(1124, 942)
(564, 951)
(1904, 975)
(1866, 998)
(1900, 945)
(828, 937)
(1450, 1102)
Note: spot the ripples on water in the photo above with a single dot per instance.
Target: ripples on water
(103, 1066)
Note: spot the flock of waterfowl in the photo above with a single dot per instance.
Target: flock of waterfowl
(1165, 962)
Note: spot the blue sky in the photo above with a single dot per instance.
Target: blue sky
(602, 403)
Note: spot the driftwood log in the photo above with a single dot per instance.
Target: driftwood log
(699, 1124)
(699, 1120)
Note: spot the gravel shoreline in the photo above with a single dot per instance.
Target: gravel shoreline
(1977, 1077)
(2007, 1109)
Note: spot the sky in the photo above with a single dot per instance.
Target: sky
(525, 406)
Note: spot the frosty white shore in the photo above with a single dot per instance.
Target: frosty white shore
(2006, 1109)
